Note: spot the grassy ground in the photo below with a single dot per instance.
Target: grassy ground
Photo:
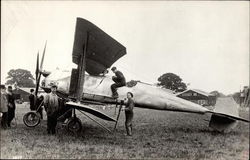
(156, 134)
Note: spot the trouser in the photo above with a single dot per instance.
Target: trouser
(11, 115)
(128, 123)
(116, 85)
(51, 123)
(4, 120)
(32, 107)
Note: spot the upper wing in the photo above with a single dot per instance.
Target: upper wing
(91, 111)
(102, 50)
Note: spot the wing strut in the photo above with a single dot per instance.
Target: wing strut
(81, 71)
(96, 122)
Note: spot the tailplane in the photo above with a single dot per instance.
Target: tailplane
(225, 115)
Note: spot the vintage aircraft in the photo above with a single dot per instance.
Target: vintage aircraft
(94, 52)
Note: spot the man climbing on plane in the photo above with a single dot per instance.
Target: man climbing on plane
(119, 80)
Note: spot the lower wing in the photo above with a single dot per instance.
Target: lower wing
(90, 110)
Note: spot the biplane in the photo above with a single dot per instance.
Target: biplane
(94, 51)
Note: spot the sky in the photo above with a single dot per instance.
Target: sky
(206, 43)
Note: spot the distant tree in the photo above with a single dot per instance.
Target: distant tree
(20, 77)
(171, 81)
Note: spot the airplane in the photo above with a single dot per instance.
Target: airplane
(94, 51)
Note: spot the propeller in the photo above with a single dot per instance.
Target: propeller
(39, 70)
(37, 65)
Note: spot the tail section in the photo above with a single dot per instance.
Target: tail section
(222, 123)
(225, 115)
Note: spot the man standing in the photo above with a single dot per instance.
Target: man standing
(51, 105)
(11, 105)
(119, 80)
(32, 100)
(4, 107)
(129, 113)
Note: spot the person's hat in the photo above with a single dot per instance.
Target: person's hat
(113, 68)
(131, 94)
(31, 90)
(3, 86)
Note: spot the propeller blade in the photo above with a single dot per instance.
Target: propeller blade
(40, 71)
(41, 66)
(37, 65)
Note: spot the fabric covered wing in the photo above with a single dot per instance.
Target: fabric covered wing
(90, 110)
(102, 50)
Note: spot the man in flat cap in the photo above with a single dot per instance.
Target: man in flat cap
(119, 80)
(51, 105)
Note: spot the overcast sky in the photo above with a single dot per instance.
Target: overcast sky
(205, 43)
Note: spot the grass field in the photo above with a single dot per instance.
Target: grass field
(156, 134)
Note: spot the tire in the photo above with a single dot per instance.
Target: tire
(74, 125)
(31, 119)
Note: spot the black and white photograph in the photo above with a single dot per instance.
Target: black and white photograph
(125, 80)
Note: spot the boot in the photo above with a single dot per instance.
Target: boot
(129, 131)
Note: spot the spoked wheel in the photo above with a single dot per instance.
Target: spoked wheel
(31, 119)
(74, 125)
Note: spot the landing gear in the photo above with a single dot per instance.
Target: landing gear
(31, 119)
(74, 125)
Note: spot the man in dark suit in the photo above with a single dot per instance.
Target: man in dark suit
(11, 105)
(119, 80)
(32, 100)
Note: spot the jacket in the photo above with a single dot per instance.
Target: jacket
(129, 105)
(4, 103)
(120, 77)
(51, 103)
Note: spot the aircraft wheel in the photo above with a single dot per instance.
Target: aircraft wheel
(74, 125)
(31, 119)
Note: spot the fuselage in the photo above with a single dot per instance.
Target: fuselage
(145, 95)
